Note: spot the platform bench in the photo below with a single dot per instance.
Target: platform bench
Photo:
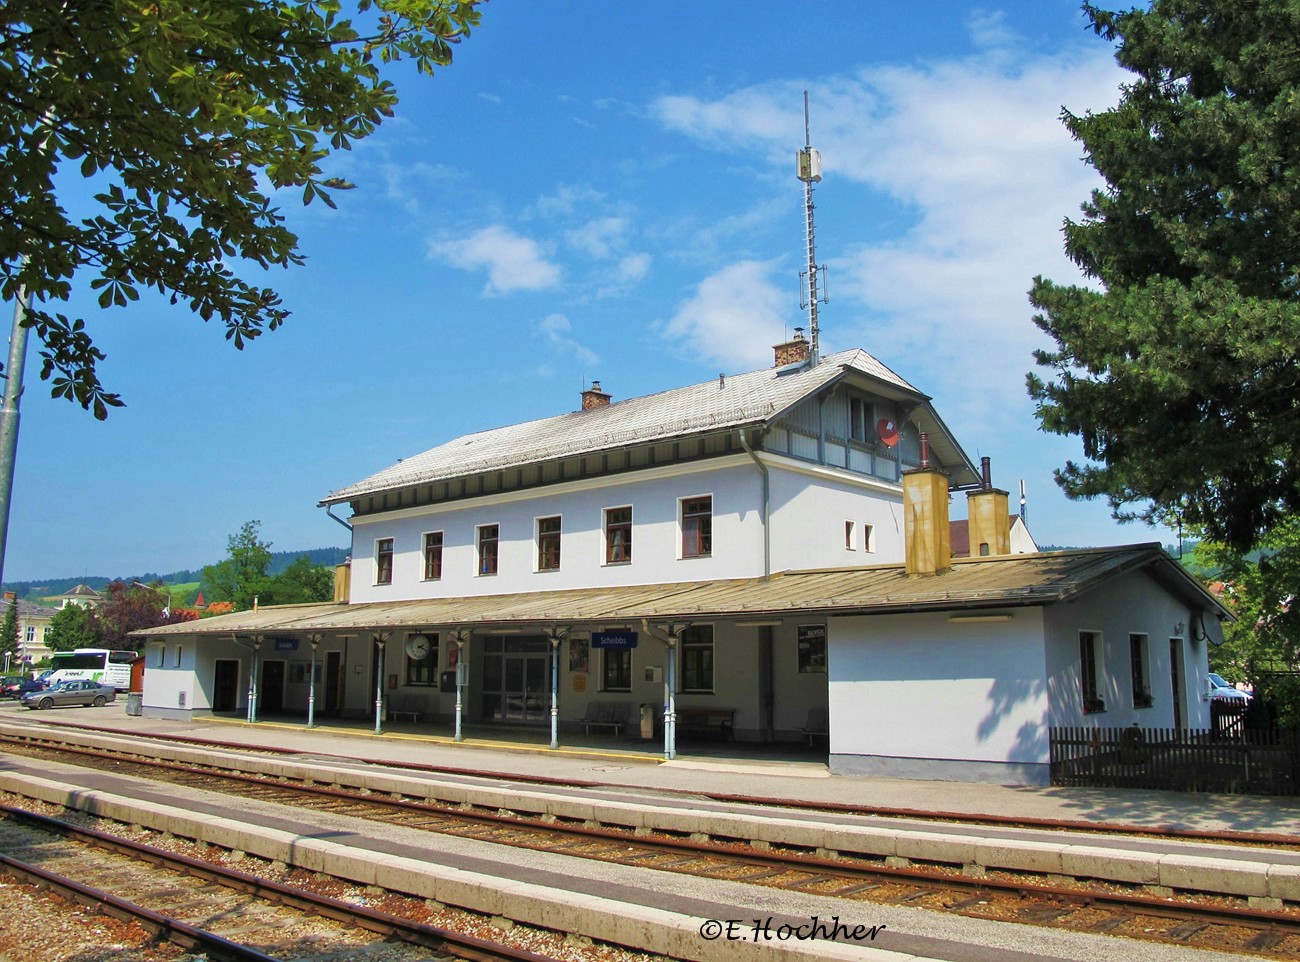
(819, 725)
(707, 722)
(605, 714)
(401, 705)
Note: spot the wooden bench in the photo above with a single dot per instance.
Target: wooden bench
(400, 705)
(605, 714)
(818, 726)
(707, 722)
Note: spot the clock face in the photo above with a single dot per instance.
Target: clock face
(417, 646)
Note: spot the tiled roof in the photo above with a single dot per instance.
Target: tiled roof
(732, 401)
(1001, 582)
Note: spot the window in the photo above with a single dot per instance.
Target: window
(860, 418)
(1088, 644)
(869, 537)
(384, 561)
(617, 669)
(848, 536)
(487, 549)
(177, 662)
(1138, 664)
(548, 544)
(162, 656)
(697, 658)
(31, 634)
(421, 659)
(697, 527)
(618, 535)
(433, 556)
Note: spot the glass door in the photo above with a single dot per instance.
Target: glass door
(516, 680)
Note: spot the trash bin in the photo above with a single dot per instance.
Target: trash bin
(647, 720)
(135, 703)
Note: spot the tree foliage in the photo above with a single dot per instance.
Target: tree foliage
(1262, 646)
(72, 627)
(300, 583)
(242, 575)
(127, 608)
(9, 628)
(1179, 370)
(181, 119)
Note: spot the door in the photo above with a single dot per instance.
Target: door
(225, 685)
(334, 678)
(1176, 680)
(271, 694)
(517, 680)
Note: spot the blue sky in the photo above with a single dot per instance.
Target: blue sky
(605, 191)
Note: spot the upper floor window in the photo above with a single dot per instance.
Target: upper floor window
(384, 561)
(488, 535)
(697, 527)
(433, 556)
(31, 634)
(869, 537)
(697, 658)
(618, 535)
(860, 418)
(548, 544)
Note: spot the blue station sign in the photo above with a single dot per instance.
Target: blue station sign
(618, 640)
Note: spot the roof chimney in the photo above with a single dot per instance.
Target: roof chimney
(989, 521)
(925, 517)
(594, 397)
(792, 351)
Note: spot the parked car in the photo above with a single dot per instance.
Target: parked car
(65, 693)
(15, 686)
(1220, 690)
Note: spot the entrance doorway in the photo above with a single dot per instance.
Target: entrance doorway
(271, 696)
(516, 680)
(334, 678)
(225, 684)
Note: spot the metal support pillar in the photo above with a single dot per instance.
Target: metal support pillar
(311, 683)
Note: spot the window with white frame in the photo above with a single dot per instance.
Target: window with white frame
(616, 669)
(1140, 670)
(697, 658)
(1089, 671)
(432, 555)
(868, 537)
(384, 561)
(849, 532)
(30, 636)
(488, 536)
(548, 544)
(176, 663)
(618, 535)
(422, 659)
(697, 527)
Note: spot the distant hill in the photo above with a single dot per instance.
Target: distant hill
(56, 586)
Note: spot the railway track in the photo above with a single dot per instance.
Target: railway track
(1220, 923)
(192, 902)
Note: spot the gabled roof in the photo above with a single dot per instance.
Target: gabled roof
(730, 402)
(1002, 582)
(959, 534)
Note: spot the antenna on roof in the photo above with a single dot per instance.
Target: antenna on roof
(808, 168)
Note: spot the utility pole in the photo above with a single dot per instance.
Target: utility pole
(13, 376)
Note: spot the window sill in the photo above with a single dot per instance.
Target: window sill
(694, 557)
(616, 564)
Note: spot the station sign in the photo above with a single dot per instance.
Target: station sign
(615, 640)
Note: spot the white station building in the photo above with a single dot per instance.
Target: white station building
(764, 557)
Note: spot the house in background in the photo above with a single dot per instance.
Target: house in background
(760, 557)
(1019, 538)
(83, 595)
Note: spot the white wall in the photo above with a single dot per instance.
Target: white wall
(809, 509)
(168, 686)
(734, 484)
(1122, 606)
(916, 688)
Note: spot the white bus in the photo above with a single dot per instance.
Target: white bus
(98, 664)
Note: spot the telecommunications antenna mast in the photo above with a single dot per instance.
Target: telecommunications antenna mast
(808, 168)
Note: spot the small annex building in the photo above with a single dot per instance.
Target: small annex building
(766, 557)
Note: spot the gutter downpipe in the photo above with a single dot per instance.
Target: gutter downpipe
(767, 504)
(329, 509)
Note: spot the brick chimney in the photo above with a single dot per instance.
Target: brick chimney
(925, 518)
(594, 397)
(989, 517)
(792, 351)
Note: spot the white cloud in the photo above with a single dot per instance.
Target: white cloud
(733, 319)
(556, 328)
(633, 267)
(600, 237)
(972, 173)
(513, 263)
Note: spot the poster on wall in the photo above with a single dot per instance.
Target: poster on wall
(812, 649)
(578, 654)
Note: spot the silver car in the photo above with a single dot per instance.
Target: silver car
(65, 693)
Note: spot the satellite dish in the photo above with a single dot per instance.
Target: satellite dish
(887, 431)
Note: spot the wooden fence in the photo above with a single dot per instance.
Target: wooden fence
(1229, 758)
